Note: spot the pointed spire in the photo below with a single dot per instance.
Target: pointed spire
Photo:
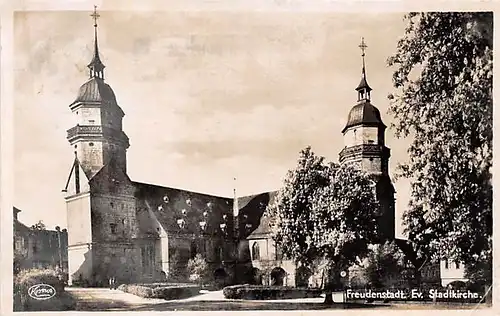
(96, 66)
(363, 87)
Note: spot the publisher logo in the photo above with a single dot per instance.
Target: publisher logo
(41, 292)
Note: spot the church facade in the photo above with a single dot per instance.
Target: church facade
(140, 232)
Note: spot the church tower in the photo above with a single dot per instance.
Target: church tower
(97, 137)
(364, 147)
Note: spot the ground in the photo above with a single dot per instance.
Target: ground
(102, 299)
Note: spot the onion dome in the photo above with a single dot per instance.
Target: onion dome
(96, 90)
(364, 114)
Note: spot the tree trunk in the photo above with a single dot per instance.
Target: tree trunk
(328, 297)
(329, 285)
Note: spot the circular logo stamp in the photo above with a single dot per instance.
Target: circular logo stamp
(41, 291)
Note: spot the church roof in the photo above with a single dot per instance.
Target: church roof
(263, 228)
(167, 206)
(96, 90)
(365, 114)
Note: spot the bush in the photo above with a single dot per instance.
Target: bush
(161, 290)
(198, 269)
(139, 290)
(27, 278)
(258, 292)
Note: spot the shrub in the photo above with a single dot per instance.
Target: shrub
(257, 292)
(198, 269)
(161, 290)
(139, 290)
(27, 278)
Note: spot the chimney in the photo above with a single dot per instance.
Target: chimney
(16, 211)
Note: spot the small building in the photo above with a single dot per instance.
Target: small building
(36, 247)
(451, 271)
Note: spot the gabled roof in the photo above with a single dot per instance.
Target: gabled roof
(82, 173)
(111, 168)
(255, 209)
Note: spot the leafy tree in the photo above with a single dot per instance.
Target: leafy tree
(177, 268)
(324, 212)
(198, 269)
(39, 226)
(443, 102)
(384, 261)
(19, 257)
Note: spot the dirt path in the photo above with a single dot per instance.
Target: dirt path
(102, 299)
(90, 299)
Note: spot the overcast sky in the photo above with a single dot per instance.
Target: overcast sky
(208, 96)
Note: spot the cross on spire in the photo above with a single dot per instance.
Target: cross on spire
(96, 66)
(363, 46)
(95, 16)
(363, 87)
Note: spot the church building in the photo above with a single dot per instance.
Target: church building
(140, 232)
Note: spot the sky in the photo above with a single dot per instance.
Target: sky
(208, 96)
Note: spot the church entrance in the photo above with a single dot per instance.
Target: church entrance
(220, 276)
(278, 276)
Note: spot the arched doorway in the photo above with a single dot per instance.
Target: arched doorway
(252, 275)
(278, 276)
(220, 276)
(302, 275)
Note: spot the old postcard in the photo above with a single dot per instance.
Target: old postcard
(275, 156)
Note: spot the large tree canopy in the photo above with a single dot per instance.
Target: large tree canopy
(290, 215)
(324, 211)
(443, 101)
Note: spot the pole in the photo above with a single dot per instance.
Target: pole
(59, 247)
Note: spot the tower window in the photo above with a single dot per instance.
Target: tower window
(91, 144)
(255, 251)
(75, 146)
(113, 228)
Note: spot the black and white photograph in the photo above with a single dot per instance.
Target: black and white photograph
(229, 160)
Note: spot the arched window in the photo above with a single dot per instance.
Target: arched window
(255, 251)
